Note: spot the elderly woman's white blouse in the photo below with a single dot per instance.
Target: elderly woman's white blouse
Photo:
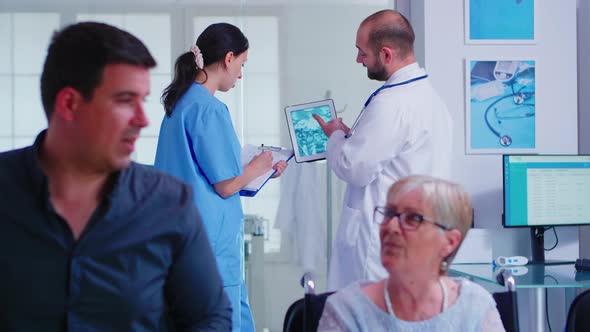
(351, 310)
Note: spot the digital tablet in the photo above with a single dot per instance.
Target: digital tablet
(307, 137)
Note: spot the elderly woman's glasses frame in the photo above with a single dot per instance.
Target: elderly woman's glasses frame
(407, 220)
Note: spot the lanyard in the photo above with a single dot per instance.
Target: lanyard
(381, 88)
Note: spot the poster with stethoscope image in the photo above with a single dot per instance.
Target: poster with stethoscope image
(500, 106)
(499, 21)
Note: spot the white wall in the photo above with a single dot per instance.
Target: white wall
(442, 48)
(555, 51)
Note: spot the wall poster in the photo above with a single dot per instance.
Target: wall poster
(500, 106)
(500, 21)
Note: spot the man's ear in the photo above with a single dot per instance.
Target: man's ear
(388, 54)
(453, 237)
(67, 103)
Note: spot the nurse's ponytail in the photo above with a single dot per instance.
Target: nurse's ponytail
(211, 47)
(185, 72)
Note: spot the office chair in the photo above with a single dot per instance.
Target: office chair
(506, 302)
(578, 318)
(304, 314)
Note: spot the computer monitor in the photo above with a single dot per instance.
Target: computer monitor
(541, 191)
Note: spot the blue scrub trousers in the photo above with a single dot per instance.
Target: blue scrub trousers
(242, 317)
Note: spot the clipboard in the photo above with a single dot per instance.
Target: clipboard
(249, 151)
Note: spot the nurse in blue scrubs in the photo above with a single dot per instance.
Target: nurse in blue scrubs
(199, 145)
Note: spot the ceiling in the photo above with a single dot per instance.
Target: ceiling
(20, 3)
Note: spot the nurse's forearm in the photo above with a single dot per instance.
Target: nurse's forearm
(231, 186)
(228, 187)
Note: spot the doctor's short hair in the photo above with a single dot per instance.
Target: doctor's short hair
(449, 201)
(390, 28)
(78, 55)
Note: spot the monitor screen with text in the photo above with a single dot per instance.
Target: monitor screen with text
(546, 190)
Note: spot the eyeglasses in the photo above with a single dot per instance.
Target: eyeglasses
(407, 220)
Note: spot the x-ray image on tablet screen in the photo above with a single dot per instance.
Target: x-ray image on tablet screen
(308, 140)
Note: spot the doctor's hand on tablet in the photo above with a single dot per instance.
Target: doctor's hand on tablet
(331, 126)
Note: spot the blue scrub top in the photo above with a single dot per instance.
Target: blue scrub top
(198, 144)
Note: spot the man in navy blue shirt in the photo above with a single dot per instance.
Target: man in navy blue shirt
(89, 240)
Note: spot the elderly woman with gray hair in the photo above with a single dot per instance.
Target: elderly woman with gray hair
(421, 228)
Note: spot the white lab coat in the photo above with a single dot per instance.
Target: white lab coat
(404, 130)
(300, 216)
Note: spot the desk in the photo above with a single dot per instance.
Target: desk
(538, 277)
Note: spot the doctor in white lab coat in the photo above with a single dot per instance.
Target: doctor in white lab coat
(405, 128)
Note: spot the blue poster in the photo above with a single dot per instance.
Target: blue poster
(501, 20)
(501, 105)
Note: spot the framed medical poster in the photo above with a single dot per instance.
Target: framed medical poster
(500, 110)
(499, 21)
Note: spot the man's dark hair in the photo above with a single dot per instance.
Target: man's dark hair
(78, 55)
(390, 28)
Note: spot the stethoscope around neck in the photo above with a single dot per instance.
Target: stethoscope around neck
(381, 88)
(518, 98)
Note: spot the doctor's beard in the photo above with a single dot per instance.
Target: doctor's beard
(378, 72)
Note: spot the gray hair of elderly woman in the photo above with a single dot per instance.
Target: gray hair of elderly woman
(449, 201)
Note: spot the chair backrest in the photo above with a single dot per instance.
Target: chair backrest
(578, 318)
(304, 314)
(294, 317)
(506, 302)
(508, 309)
